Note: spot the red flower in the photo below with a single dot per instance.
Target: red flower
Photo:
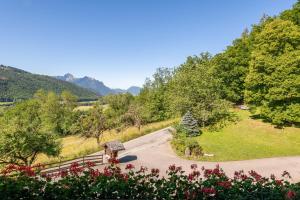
(113, 161)
(125, 177)
(154, 171)
(286, 174)
(278, 182)
(64, 173)
(27, 170)
(143, 169)
(129, 166)
(172, 167)
(75, 169)
(209, 191)
(207, 172)
(178, 169)
(94, 173)
(90, 164)
(194, 166)
(107, 172)
(225, 184)
(255, 175)
(193, 175)
(290, 194)
(272, 177)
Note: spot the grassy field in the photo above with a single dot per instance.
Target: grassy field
(6, 103)
(87, 107)
(250, 139)
(76, 146)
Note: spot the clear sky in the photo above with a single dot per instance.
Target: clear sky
(120, 42)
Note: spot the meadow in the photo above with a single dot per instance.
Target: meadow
(76, 146)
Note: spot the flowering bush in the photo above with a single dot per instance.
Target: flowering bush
(85, 182)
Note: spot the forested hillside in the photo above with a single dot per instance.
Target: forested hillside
(261, 69)
(19, 84)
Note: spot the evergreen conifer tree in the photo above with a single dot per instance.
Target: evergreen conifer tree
(190, 124)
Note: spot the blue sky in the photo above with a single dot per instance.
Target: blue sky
(120, 42)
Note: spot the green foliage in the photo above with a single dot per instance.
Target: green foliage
(193, 88)
(273, 82)
(190, 124)
(93, 123)
(194, 147)
(133, 117)
(84, 182)
(292, 14)
(18, 84)
(22, 136)
(182, 141)
(118, 105)
(57, 112)
(231, 68)
(153, 97)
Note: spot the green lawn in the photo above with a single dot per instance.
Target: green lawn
(250, 139)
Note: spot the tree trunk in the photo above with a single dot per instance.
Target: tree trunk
(98, 141)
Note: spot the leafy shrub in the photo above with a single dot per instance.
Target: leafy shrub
(194, 147)
(85, 182)
(181, 142)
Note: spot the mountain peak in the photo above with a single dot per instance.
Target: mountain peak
(69, 77)
(96, 86)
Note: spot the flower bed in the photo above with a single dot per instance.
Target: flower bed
(84, 182)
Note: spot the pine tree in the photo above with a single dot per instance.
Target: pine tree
(190, 124)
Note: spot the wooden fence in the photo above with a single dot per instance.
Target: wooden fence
(65, 165)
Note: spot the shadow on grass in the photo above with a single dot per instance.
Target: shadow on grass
(266, 120)
(128, 158)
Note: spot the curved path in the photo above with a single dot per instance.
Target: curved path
(154, 151)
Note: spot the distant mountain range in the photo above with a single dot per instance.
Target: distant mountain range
(19, 84)
(96, 86)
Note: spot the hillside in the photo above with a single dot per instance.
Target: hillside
(19, 84)
(96, 86)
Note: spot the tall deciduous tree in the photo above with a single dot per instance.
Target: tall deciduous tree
(22, 137)
(94, 123)
(133, 117)
(273, 82)
(153, 96)
(231, 68)
(193, 88)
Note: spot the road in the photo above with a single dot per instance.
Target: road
(154, 151)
